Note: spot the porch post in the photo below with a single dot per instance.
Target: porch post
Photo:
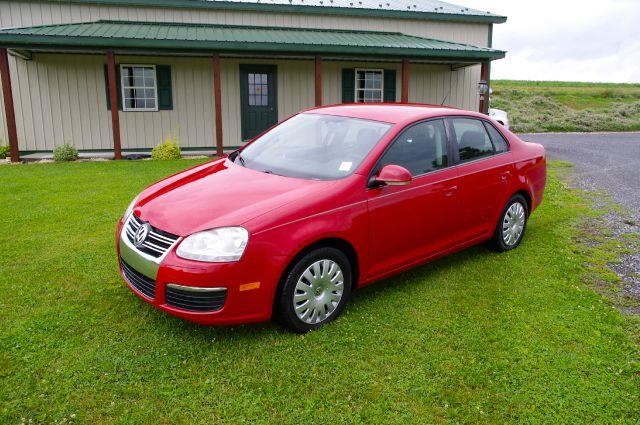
(404, 98)
(113, 100)
(217, 100)
(8, 105)
(484, 76)
(318, 80)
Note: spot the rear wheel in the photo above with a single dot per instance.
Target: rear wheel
(315, 290)
(513, 222)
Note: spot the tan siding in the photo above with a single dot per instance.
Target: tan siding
(428, 83)
(57, 103)
(61, 98)
(437, 84)
(192, 118)
(332, 80)
(14, 14)
(295, 88)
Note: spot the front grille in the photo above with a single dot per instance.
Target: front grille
(157, 242)
(195, 300)
(142, 283)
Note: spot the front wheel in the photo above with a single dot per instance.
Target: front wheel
(315, 290)
(513, 222)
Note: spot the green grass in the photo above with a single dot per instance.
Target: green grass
(475, 337)
(536, 106)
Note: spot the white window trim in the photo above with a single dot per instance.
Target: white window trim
(155, 87)
(356, 89)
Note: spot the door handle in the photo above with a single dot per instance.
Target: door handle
(504, 176)
(450, 190)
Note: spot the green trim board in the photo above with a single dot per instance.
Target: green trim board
(106, 34)
(402, 9)
(124, 150)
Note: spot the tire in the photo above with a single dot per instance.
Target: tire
(314, 282)
(516, 211)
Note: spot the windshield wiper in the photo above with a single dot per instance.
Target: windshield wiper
(271, 172)
(239, 157)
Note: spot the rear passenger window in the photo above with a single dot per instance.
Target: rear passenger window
(472, 137)
(420, 148)
(498, 140)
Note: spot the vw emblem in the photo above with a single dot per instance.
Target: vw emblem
(141, 234)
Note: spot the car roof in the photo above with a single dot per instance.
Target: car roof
(392, 113)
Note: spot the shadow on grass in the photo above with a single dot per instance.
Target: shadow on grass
(373, 294)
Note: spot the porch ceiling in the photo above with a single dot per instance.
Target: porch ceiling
(159, 37)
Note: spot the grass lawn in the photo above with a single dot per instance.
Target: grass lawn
(535, 106)
(475, 337)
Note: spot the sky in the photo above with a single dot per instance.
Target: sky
(565, 40)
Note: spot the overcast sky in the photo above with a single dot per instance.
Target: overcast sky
(566, 40)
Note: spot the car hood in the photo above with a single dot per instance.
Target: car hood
(218, 194)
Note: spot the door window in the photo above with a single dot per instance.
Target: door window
(499, 143)
(420, 148)
(258, 89)
(473, 140)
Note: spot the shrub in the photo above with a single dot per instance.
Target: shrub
(169, 149)
(4, 150)
(65, 153)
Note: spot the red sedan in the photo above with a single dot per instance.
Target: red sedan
(329, 200)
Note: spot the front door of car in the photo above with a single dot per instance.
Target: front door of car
(258, 101)
(412, 222)
(484, 170)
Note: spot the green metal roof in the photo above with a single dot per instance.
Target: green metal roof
(225, 38)
(409, 9)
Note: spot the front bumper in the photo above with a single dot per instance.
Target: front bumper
(249, 285)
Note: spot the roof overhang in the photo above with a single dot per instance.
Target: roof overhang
(200, 39)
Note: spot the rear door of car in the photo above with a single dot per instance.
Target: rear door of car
(484, 167)
(412, 222)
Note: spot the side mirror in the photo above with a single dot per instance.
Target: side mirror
(393, 175)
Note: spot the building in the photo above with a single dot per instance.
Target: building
(122, 75)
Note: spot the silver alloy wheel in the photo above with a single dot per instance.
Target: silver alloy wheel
(513, 223)
(318, 291)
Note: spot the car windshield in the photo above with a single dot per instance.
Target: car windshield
(313, 146)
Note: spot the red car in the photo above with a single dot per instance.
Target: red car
(331, 199)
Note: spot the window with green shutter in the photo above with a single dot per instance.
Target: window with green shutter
(368, 85)
(142, 87)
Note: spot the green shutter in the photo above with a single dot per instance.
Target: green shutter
(118, 86)
(348, 85)
(389, 85)
(165, 98)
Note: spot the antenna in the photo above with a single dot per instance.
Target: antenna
(444, 100)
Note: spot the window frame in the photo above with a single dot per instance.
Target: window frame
(355, 84)
(126, 108)
(375, 170)
(453, 139)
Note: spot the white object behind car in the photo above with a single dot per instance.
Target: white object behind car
(500, 116)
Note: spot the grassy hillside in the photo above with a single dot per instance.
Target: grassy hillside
(535, 106)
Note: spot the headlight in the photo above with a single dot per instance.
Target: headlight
(216, 245)
(130, 207)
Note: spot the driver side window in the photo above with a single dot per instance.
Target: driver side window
(420, 148)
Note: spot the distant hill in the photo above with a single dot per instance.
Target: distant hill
(543, 106)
